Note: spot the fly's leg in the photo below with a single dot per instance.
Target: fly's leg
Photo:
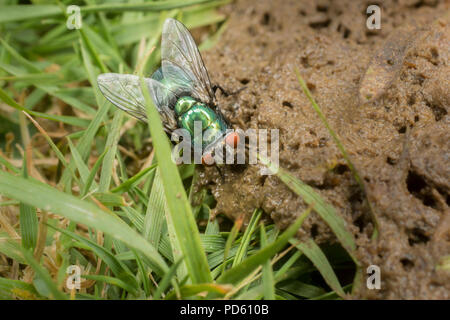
(225, 92)
(220, 172)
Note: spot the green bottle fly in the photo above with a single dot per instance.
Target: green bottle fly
(180, 89)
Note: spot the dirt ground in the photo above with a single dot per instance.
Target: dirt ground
(393, 122)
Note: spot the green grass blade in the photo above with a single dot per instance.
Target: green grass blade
(44, 276)
(25, 12)
(28, 218)
(444, 263)
(135, 217)
(90, 48)
(320, 261)
(127, 185)
(212, 242)
(55, 149)
(238, 273)
(287, 265)
(214, 39)
(83, 169)
(8, 165)
(49, 199)
(303, 289)
(324, 209)
(168, 277)
(111, 145)
(109, 199)
(18, 288)
(188, 291)
(212, 228)
(340, 146)
(74, 121)
(10, 13)
(230, 240)
(111, 280)
(143, 273)
(90, 179)
(115, 265)
(243, 247)
(179, 208)
(155, 215)
(267, 272)
(10, 249)
(23, 61)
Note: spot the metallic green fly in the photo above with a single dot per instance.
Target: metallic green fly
(180, 89)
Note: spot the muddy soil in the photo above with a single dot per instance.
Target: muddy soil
(397, 136)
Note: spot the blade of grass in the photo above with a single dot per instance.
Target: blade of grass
(287, 265)
(177, 252)
(212, 242)
(320, 261)
(125, 186)
(23, 62)
(324, 209)
(154, 217)
(43, 275)
(230, 240)
(10, 249)
(116, 266)
(179, 209)
(212, 41)
(243, 247)
(144, 276)
(83, 170)
(303, 289)
(55, 149)
(238, 273)
(111, 145)
(281, 274)
(444, 263)
(135, 217)
(8, 165)
(168, 277)
(212, 228)
(84, 144)
(18, 288)
(111, 280)
(28, 218)
(267, 272)
(74, 121)
(331, 295)
(109, 199)
(26, 12)
(90, 48)
(49, 199)
(341, 148)
(91, 176)
(187, 291)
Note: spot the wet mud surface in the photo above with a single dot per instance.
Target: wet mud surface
(395, 126)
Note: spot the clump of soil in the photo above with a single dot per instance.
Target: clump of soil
(399, 141)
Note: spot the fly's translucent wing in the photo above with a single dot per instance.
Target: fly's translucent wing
(182, 62)
(174, 79)
(124, 91)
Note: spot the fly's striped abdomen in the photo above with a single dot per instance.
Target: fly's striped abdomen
(189, 111)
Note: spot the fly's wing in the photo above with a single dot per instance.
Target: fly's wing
(124, 91)
(182, 63)
(175, 80)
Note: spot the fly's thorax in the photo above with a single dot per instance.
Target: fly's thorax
(184, 104)
(212, 126)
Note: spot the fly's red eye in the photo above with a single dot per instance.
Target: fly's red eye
(232, 140)
(208, 159)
